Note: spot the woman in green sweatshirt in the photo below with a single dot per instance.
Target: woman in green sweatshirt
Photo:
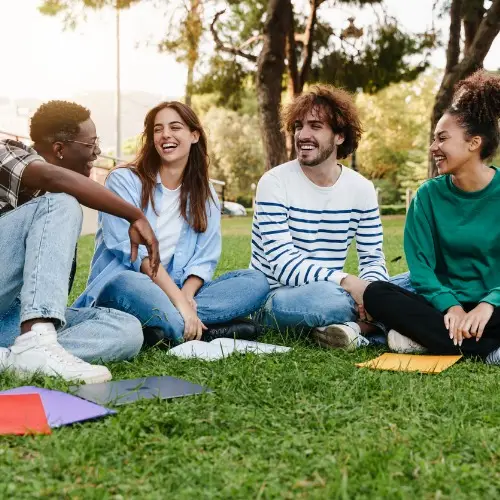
(452, 238)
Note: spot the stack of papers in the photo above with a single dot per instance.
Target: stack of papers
(220, 348)
(28, 410)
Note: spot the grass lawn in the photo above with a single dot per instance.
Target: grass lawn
(307, 424)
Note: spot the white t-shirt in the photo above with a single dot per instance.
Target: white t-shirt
(169, 224)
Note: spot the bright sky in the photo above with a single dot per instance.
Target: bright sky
(47, 62)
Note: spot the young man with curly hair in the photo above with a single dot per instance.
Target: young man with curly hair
(41, 189)
(307, 213)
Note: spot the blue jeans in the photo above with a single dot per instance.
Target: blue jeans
(37, 246)
(320, 303)
(234, 295)
(90, 333)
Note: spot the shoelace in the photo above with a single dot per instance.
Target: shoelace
(60, 354)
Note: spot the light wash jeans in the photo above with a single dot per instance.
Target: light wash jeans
(233, 295)
(37, 245)
(320, 303)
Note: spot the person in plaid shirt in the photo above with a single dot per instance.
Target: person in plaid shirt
(41, 189)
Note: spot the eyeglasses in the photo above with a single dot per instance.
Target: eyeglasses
(93, 145)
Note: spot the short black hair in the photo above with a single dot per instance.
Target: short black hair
(476, 106)
(57, 121)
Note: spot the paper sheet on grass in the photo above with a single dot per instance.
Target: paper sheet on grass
(220, 348)
(22, 414)
(62, 408)
(411, 362)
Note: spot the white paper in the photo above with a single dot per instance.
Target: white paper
(219, 348)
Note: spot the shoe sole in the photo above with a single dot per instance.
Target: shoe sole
(96, 379)
(333, 338)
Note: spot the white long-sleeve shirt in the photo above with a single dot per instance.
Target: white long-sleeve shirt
(301, 232)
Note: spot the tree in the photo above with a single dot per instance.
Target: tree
(393, 151)
(480, 26)
(183, 41)
(307, 49)
(235, 153)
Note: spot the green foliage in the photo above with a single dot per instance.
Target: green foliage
(392, 209)
(226, 79)
(394, 146)
(235, 147)
(386, 57)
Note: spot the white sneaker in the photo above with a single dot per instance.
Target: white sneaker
(39, 351)
(345, 335)
(403, 345)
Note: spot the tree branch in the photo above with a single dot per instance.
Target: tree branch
(224, 48)
(453, 50)
(308, 41)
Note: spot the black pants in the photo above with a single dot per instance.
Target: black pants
(412, 316)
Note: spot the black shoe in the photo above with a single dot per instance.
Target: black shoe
(153, 337)
(242, 329)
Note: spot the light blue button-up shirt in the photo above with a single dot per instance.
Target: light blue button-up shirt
(196, 254)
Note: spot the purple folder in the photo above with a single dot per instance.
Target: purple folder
(62, 408)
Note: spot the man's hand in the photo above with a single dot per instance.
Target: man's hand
(452, 319)
(141, 233)
(474, 322)
(355, 287)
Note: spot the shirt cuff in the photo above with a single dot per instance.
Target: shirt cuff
(337, 277)
(444, 301)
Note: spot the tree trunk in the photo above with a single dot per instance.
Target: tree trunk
(270, 69)
(189, 84)
(455, 71)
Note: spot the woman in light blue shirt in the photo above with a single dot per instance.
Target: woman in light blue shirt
(169, 182)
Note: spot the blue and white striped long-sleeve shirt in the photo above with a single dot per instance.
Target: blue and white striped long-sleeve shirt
(301, 232)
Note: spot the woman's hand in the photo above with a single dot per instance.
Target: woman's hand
(193, 327)
(452, 319)
(474, 322)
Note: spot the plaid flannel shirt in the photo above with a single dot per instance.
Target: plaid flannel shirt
(14, 157)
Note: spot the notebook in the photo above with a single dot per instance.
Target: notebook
(220, 348)
(22, 414)
(128, 391)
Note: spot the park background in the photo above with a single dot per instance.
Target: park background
(308, 424)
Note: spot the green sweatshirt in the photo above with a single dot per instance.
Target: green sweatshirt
(452, 243)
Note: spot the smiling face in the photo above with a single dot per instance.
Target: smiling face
(451, 149)
(315, 140)
(77, 156)
(172, 137)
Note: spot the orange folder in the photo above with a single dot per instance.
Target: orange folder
(22, 414)
(411, 362)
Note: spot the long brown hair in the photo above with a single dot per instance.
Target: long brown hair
(195, 184)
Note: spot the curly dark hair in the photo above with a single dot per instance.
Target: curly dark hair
(334, 105)
(476, 105)
(57, 121)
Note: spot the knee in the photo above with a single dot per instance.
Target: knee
(258, 283)
(373, 290)
(128, 337)
(123, 283)
(67, 203)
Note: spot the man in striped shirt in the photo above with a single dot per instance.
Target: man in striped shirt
(307, 213)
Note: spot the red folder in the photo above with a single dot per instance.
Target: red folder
(22, 414)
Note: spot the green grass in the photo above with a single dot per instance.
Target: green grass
(307, 424)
